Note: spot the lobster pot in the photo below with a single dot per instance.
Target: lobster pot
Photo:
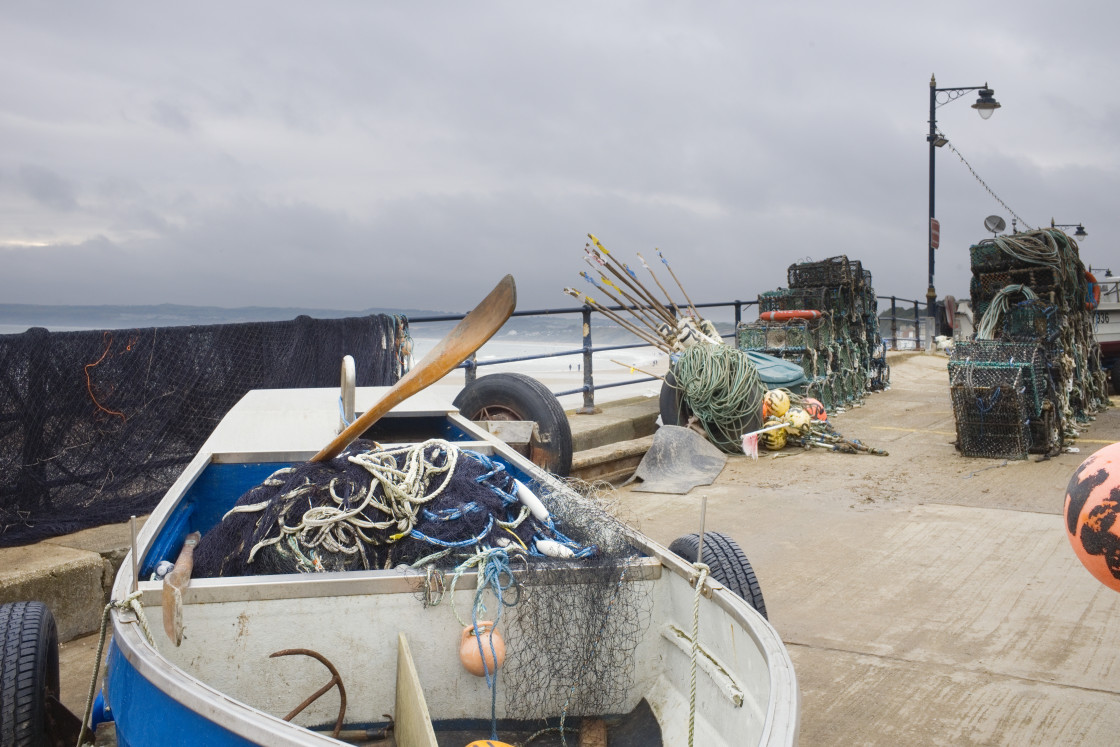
(985, 285)
(1045, 434)
(880, 369)
(820, 388)
(970, 357)
(792, 334)
(988, 257)
(1031, 320)
(839, 349)
(834, 271)
(991, 413)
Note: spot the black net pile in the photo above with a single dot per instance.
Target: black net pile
(571, 643)
(842, 353)
(1031, 289)
(374, 509)
(96, 425)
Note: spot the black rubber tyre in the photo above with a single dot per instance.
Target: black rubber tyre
(728, 564)
(28, 672)
(674, 410)
(514, 396)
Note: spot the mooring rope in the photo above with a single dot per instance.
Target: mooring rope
(702, 571)
(130, 602)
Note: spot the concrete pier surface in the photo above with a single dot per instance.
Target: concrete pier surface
(926, 598)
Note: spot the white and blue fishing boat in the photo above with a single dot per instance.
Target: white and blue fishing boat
(220, 686)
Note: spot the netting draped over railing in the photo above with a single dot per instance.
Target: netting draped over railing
(96, 425)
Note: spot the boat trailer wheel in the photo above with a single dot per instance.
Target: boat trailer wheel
(336, 679)
(727, 562)
(515, 396)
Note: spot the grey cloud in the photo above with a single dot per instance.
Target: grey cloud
(354, 155)
(46, 187)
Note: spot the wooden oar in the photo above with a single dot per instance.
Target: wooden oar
(468, 336)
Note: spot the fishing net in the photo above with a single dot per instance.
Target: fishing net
(559, 586)
(96, 425)
(374, 508)
(571, 647)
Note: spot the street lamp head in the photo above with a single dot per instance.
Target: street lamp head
(987, 103)
(1080, 234)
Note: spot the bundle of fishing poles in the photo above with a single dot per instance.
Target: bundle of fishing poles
(662, 324)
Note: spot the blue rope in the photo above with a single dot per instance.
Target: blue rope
(415, 534)
(494, 566)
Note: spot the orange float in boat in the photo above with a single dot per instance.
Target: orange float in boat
(491, 644)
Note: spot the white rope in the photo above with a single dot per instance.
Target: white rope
(404, 490)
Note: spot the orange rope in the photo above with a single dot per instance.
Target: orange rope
(89, 385)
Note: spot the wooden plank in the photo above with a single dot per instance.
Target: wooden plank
(413, 727)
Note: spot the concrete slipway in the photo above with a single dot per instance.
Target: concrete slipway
(926, 598)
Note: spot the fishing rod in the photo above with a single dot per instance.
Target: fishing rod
(659, 285)
(640, 307)
(638, 332)
(643, 319)
(634, 368)
(631, 279)
(648, 301)
(666, 263)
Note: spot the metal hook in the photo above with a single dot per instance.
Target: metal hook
(336, 679)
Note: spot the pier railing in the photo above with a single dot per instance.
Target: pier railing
(588, 348)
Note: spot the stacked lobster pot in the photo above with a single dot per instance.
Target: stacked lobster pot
(1032, 300)
(826, 322)
(1002, 399)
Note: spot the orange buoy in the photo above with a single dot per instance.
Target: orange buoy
(815, 408)
(489, 743)
(493, 648)
(1091, 510)
(781, 316)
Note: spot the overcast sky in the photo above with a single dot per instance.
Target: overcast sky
(356, 154)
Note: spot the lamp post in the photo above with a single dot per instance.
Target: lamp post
(985, 105)
(1080, 234)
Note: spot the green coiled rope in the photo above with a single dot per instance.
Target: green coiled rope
(723, 389)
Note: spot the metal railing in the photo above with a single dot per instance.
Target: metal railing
(588, 348)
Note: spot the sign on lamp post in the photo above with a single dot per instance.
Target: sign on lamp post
(934, 233)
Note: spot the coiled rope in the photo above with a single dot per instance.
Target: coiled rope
(723, 389)
(426, 473)
(999, 306)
